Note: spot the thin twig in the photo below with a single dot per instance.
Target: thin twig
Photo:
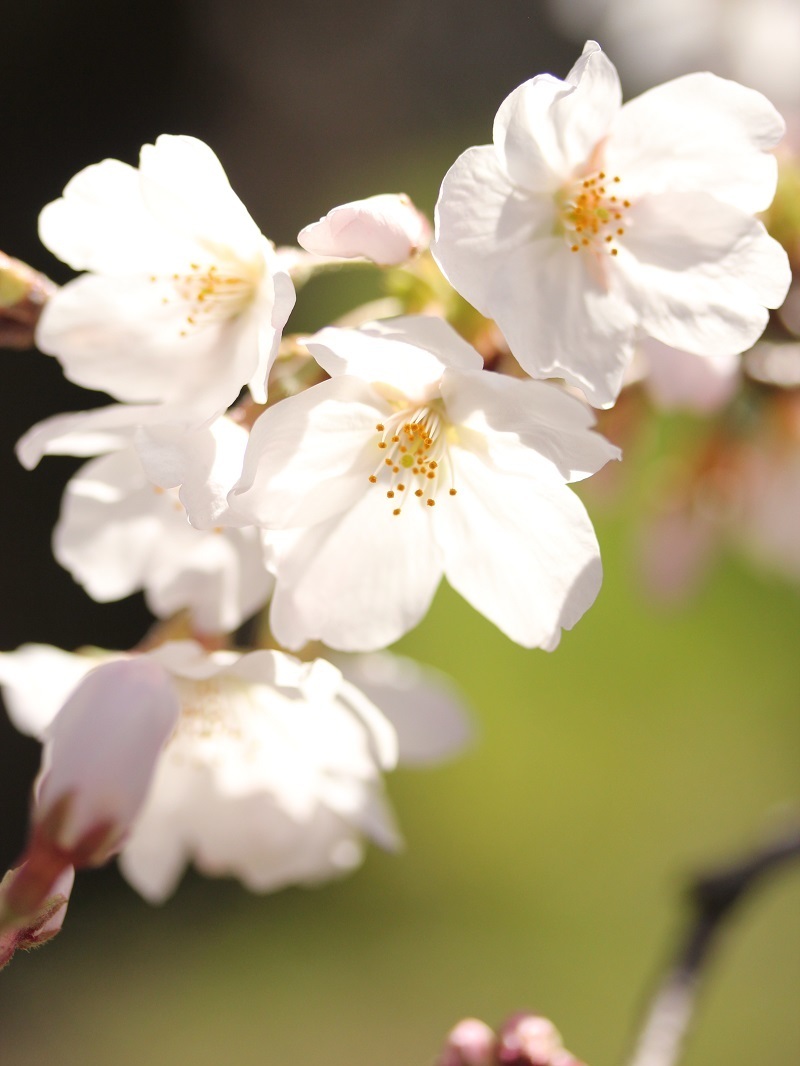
(712, 897)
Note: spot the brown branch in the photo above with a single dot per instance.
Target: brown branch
(712, 898)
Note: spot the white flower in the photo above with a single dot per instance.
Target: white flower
(411, 463)
(123, 524)
(588, 225)
(272, 773)
(183, 303)
(388, 229)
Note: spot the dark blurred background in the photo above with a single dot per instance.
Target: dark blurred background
(544, 869)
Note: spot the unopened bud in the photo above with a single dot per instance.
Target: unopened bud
(23, 294)
(100, 752)
(470, 1043)
(388, 229)
(25, 931)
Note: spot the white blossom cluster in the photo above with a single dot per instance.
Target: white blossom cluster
(393, 458)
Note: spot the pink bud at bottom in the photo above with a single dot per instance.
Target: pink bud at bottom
(470, 1043)
(18, 932)
(531, 1040)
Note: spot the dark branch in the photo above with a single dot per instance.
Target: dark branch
(712, 898)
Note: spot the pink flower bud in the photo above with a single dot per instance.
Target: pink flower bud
(99, 755)
(35, 928)
(388, 229)
(531, 1040)
(470, 1043)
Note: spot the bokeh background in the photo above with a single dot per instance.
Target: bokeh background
(543, 869)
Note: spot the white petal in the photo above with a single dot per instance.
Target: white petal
(84, 433)
(522, 553)
(538, 415)
(561, 321)
(480, 219)
(185, 188)
(422, 704)
(698, 133)
(358, 581)
(205, 462)
(307, 456)
(118, 335)
(546, 128)
(387, 229)
(406, 355)
(700, 272)
(36, 681)
(101, 224)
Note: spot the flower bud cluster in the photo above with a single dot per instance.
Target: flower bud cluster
(524, 1039)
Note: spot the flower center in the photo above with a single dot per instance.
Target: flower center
(593, 213)
(413, 457)
(210, 293)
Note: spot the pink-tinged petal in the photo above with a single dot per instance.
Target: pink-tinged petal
(521, 552)
(358, 581)
(100, 223)
(698, 133)
(422, 704)
(100, 753)
(524, 416)
(547, 128)
(388, 229)
(308, 456)
(186, 190)
(36, 680)
(699, 272)
(404, 356)
(562, 321)
(682, 380)
(480, 219)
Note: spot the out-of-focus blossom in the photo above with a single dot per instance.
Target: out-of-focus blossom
(678, 380)
(31, 930)
(412, 463)
(588, 225)
(422, 704)
(753, 41)
(183, 301)
(272, 772)
(388, 229)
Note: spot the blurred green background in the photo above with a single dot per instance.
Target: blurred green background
(543, 869)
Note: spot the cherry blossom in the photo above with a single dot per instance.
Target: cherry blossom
(587, 225)
(272, 772)
(183, 301)
(412, 463)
